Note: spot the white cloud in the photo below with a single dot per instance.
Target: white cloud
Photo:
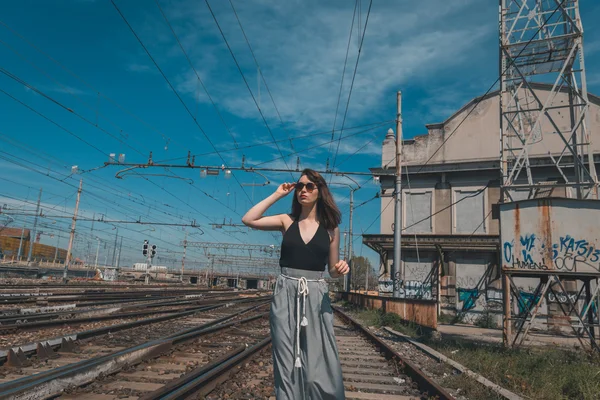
(135, 67)
(301, 50)
(591, 47)
(593, 79)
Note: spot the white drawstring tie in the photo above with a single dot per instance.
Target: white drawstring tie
(302, 291)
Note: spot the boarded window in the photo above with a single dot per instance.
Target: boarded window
(415, 271)
(469, 212)
(417, 211)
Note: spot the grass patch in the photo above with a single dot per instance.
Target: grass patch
(540, 373)
(545, 373)
(470, 388)
(486, 320)
(450, 319)
(378, 319)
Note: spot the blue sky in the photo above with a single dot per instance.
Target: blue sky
(100, 93)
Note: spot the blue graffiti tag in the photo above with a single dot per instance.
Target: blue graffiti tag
(468, 297)
(508, 251)
(566, 254)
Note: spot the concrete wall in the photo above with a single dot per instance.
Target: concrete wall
(41, 252)
(421, 312)
(439, 196)
(477, 138)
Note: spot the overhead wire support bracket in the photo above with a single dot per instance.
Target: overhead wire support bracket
(132, 166)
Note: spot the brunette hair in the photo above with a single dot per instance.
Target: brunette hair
(328, 213)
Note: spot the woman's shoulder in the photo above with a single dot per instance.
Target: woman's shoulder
(332, 232)
(287, 220)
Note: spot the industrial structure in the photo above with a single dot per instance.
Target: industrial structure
(495, 195)
(11, 239)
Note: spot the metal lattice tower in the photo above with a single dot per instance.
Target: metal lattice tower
(545, 132)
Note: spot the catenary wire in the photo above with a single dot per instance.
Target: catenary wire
(196, 72)
(352, 83)
(177, 94)
(247, 85)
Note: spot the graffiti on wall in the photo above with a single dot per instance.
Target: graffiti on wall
(410, 289)
(535, 253)
(108, 274)
(476, 293)
(555, 234)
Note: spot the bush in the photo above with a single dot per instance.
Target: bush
(486, 320)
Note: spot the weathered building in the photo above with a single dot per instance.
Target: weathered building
(10, 239)
(450, 237)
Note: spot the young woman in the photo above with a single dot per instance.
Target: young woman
(305, 357)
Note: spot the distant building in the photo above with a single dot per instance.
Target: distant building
(9, 246)
(450, 227)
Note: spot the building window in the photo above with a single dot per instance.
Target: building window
(469, 211)
(417, 211)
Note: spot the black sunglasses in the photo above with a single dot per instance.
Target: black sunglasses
(309, 186)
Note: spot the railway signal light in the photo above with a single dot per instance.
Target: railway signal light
(145, 248)
(153, 251)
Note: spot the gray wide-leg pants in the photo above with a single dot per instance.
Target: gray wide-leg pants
(308, 369)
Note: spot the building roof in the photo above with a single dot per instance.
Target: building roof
(13, 232)
(534, 85)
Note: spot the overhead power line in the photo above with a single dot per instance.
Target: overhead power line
(352, 83)
(373, 125)
(320, 145)
(479, 100)
(193, 224)
(343, 75)
(176, 93)
(261, 75)
(246, 82)
(87, 84)
(196, 72)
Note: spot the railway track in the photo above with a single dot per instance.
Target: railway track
(41, 346)
(111, 366)
(24, 316)
(142, 368)
(96, 297)
(371, 371)
(224, 353)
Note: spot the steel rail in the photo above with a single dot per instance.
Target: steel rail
(29, 317)
(50, 383)
(56, 343)
(424, 383)
(11, 328)
(203, 380)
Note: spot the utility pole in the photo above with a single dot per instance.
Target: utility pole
(350, 240)
(397, 270)
(149, 265)
(367, 280)
(21, 244)
(32, 234)
(212, 265)
(183, 258)
(114, 255)
(97, 251)
(56, 248)
(69, 255)
(346, 280)
(120, 248)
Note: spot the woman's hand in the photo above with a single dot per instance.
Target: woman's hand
(341, 267)
(284, 189)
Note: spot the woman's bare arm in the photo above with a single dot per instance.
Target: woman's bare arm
(337, 267)
(254, 217)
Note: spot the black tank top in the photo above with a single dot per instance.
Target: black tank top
(296, 254)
